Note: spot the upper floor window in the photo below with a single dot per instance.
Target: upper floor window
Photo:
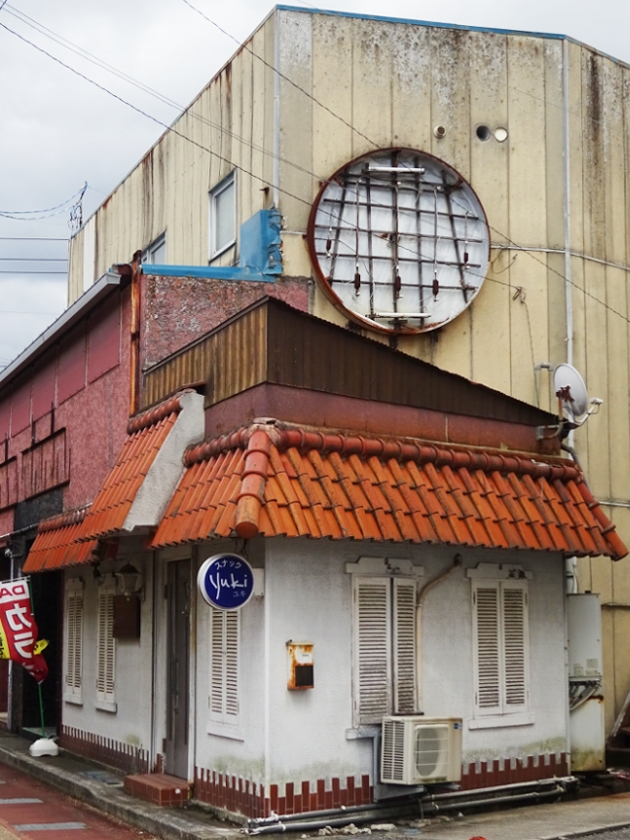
(155, 254)
(222, 216)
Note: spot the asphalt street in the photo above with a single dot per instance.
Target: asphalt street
(31, 809)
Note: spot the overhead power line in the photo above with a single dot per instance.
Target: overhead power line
(34, 238)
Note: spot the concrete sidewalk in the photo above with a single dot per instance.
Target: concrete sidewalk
(102, 788)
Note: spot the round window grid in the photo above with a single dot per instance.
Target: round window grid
(399, 241)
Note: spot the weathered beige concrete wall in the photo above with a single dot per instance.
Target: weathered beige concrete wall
(346, 85)
(230, 125)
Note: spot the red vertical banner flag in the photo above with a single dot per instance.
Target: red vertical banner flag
(18, 631)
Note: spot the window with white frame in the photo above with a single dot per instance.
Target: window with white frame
(106, 649)
(501, 647)
(384, 647)
(155, 254)
(73, 691)
(222, 215)
(224, 665)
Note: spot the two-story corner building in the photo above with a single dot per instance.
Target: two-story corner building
(458, 192)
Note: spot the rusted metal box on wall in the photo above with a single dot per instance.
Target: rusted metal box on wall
(300, 664)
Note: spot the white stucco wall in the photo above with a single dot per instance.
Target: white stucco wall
(130, 724)
(289, 736)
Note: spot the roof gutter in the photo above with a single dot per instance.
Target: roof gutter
(68, 319)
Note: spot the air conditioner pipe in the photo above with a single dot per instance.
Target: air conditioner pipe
(435, 808)
(375, 813)
(399, 802)
(431, 804)
(514, 786)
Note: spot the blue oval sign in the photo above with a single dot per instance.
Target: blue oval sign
(226, 581)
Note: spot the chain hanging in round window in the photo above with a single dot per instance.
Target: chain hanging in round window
(399, 240)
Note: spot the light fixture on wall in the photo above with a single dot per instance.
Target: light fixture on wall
(130, 580)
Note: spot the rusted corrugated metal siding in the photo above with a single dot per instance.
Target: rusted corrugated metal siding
(271, 342)
(231, 359)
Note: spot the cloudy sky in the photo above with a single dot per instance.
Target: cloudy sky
(59, 131)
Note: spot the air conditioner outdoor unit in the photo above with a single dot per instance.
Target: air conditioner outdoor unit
(419, 750)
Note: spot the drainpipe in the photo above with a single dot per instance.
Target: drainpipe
(134, 347)
(457, 562)
(568, 290)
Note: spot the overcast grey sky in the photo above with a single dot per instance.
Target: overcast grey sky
(59, 131)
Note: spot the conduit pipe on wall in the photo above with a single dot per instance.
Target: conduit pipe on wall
(457, 562)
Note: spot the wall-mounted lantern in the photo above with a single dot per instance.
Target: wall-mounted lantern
(129, 579)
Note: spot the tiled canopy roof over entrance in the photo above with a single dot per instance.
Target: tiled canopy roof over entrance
(146, 435)
(56, 544)
(281, 481)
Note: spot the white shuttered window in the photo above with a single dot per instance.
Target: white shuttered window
(73, 692)
(224, 661)
(106, 649)
(501, 647)
(385, 656)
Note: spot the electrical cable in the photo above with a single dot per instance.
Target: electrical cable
(35, 238)
(262, 180)
(79, 193)
(181, 110)
(168, 128)
(280, 74)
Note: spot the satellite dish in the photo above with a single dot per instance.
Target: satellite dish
(570, 389)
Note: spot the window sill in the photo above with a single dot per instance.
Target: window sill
(73, 698)
(103, 706)
(366, 731)
(498, 721)
(223, 730)
(222, 250)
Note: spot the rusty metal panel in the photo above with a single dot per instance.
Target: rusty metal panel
(230, 359)
(45, 465)
(8, 483)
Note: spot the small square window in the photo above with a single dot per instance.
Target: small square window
(155, 254)
(223, 216)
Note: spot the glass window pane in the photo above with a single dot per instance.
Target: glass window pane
(224, 216)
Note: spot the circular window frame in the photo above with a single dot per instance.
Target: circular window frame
(323, 280)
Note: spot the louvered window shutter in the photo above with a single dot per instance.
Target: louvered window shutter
(224, 663)
(515, 646)
(74, 640)
(372, 651)
(487, 645)
(106, 664)
(501, 647)
(404, 620)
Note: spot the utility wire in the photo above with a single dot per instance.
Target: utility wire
(280, 74)
(262, 180)
(169, 128)
(34, 238)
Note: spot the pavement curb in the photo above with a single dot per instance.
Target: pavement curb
(586, 832)
(113, 801)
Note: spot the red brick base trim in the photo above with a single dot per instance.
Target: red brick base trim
(244, 797)
(121, 756)
(240, 796)
(506, 771)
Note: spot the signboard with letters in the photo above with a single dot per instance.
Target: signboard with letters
(226, 581)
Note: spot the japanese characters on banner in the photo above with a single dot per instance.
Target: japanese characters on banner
(18, 631)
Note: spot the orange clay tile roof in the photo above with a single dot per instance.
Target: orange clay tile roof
(55, 545)
(271, 481)
(146, 434)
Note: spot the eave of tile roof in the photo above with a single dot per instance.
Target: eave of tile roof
(56, 545)
(287, 481)
(146, 434)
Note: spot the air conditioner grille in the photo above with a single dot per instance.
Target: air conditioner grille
(430, 744)
(394, 749)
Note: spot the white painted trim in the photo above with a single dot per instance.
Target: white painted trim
(498, 571)
(496, 721)
(104, 706)
(386, 566)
